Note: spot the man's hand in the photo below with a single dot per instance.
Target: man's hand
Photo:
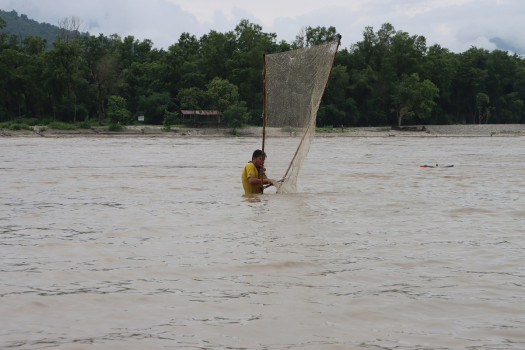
(270, 182)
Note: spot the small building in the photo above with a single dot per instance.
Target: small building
(200, 117)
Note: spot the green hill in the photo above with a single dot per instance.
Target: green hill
(22, 27)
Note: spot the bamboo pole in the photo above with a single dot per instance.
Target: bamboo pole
(261, 173)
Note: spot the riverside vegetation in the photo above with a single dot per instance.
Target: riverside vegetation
(388, 78)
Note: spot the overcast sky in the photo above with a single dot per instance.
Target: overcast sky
(453, 24)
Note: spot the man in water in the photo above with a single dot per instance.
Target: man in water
(250, 174)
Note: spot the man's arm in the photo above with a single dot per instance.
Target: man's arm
(257, 181)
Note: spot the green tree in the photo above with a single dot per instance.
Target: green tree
(117, 111)
(246, 62)
(221, 94)
(105, 77)
(412, 97)
(131, 50)
(503, 83)
(13, 83)
(34, 45)
(483, 107)
(68, 53)
(377, 63)
(154, 106)
(143, 84)
(3, 35)
(314, 36)
(191, 98)
(236, 115)
(338, 107)
(216, 50)
(471, 78)
(181, 64)
(440, 67)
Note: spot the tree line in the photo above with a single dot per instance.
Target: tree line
(388, 78)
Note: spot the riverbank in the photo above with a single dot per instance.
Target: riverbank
(475, 130)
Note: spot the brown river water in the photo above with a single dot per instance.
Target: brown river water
(148, 243)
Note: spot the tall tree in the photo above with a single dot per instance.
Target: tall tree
(216, 50)
(310, 36)
(440, 66)
(105, 77)
(246, 63)
(67, 49)
(471, 78)
(412, 97)
(483, 107)
(222, 94)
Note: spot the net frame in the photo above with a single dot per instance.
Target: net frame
(293, 84)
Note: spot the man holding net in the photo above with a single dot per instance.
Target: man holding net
(251, 181)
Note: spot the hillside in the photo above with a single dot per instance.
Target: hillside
(22, 26)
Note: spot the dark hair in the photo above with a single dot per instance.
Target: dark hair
(258, 153)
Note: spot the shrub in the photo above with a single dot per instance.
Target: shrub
(84, 125)
(15, 126)
(115, 127)
(61, 126)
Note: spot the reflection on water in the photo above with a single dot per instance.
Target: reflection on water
(148, 243)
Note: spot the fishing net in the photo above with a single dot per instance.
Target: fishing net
(294, 85)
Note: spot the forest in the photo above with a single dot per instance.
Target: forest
(389, 78)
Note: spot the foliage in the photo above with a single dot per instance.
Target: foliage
(84, 125)
(115, 127)
(117, 111)
(387, 78)
(235, 116)
(313, 36)
(61, 126)
(24, 27)
(221, 94)
(169, 120)
(410, 97)
(483, 107)
(15, 126)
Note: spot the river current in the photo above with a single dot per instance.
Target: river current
(148, 243)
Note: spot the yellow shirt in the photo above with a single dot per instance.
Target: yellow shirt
(250, 170)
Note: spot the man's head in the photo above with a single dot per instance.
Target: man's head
(257, 157)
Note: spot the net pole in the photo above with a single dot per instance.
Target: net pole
(261, 173)
(310, 124)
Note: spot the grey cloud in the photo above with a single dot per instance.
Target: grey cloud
(455, 25)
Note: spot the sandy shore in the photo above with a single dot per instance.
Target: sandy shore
(477, 130)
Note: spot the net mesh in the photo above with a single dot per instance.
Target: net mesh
(295, 82)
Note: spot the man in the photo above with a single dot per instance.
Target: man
(250, 174)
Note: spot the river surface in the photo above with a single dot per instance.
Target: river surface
(148, 243)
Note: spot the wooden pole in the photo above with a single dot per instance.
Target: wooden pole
(261, 173)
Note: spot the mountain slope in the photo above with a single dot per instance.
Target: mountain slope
(23, 27)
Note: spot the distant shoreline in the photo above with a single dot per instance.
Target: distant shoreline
(471, 130)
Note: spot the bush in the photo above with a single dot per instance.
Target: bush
(289, 129)
(169, 119)
(115, 127)
(84, 125)
(236, 115)
(326, 128)
(117, 111)
(32, 121)
(61, 126)
(15, 126)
